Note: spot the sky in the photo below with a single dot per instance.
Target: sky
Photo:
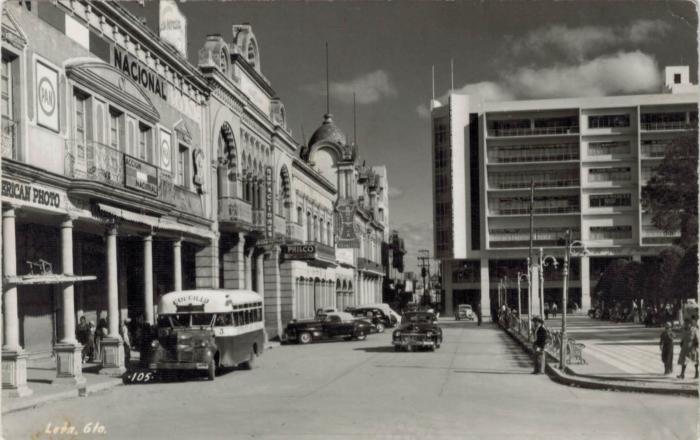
(384, 51)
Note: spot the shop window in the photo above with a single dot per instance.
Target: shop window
(183, 166)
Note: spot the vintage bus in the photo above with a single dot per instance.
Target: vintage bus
(206, 330)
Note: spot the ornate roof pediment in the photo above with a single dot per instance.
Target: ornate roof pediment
(108, 81)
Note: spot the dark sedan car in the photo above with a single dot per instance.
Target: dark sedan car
(375, 316)
(329, 325)
(417, 330)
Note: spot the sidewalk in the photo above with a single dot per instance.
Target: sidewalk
(39, 377)
(623, 357)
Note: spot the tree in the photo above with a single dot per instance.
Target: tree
(657, 277)
(672, 194)
(685, 279)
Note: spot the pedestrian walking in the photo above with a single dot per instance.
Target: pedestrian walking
(666, 346)
(554, 309)
(539, 344)
(689, 348)
(478, 314)
(546, 310)
(82, 334)
(100, 332)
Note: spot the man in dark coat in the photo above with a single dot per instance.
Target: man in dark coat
(666, 346)
(478, 314)
(539, 344)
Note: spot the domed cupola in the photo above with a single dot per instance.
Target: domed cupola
(328, 132)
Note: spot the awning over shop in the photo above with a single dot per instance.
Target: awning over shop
(154, 222)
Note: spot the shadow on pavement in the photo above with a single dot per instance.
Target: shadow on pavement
(492, 371)
(380, 349)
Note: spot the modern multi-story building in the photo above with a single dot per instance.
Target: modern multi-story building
(129, 172)
(588, 159)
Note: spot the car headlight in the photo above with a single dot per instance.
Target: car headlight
(202, 344)
(429, 334)
(397, 334)
(155, 343)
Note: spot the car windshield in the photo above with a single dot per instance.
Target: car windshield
(204, 319)
(419, 317)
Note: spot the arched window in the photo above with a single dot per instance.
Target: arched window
(330, 234)
(252, 55)
(309, 228)
(223, 61)
(300, 216)
(321, 234)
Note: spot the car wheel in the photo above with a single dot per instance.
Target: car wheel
(361, 336)
(397, 348)
(211, 370)
(304, 338)
(432, 348)
(380, 328)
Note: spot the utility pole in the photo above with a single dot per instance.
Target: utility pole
(424, 263)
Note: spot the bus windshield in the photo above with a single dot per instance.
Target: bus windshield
(185, 320)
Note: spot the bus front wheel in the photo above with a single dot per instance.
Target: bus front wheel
(250, 363)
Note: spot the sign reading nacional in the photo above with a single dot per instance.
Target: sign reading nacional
(299, 252)
(173, 25)
(139, 72)
(34, 195)
(347, 238)
(140, 175)
(47, 96)
(269, 205)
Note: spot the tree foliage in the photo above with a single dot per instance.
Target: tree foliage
(671, 195)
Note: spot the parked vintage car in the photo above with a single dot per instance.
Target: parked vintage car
(375, 316)
(464, 311)
(417, 330)
(329, 325)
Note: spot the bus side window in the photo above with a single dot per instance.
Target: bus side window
(236, 318)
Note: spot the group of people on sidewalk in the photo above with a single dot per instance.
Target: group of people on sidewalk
(688, 347)
(91, 336)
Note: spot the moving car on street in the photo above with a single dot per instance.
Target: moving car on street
(464, 311)
(329, 325)
(417, 330)
(206, 330)
(375, 316)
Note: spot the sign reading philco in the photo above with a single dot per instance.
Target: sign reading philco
(33, 194)
(47, 96)
(139, 72)
(140, 175)
(173, 25)
(269, 205)
(345, 215)
(299, 252)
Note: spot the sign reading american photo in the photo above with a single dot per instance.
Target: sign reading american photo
(47, 96)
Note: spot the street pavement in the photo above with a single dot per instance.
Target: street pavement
(476, 386)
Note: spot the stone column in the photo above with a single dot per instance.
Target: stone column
(273, 312)
(177, 264)
(485, 286)
(112, 347)
(234, 266)
(69, 359)
(585, 283)
(207, 265)
(148, 279)
(14, 359)
(260, 283)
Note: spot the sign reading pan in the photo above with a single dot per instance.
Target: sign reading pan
(47, 96)
(140, 175)
(299, 252)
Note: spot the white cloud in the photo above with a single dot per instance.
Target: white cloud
(488, 90)
(622, 73)
(368, 88)
(578, 43)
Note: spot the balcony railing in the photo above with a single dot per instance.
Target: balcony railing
(534, 154)
(525, 183)
(533, 131)
(295, 232)
(235, 210)
(651, 231)
(92, 160)
(365, 264)
(669, 125)
(536, 210)
(9, 139)
(324, 251)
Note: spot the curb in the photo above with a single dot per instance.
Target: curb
(32, 402)
(572, 379)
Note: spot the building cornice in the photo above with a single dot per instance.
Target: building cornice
(311, 173)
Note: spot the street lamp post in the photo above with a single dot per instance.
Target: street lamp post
(520, 277)
(543, 261)
(565, 293)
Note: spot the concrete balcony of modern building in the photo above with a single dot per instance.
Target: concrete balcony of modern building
(669, 126)
(570, 130)
(652, 235)
(550, 183)
(9, 138)
(533, 154)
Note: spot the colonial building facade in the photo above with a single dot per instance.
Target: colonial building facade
(129, 172)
